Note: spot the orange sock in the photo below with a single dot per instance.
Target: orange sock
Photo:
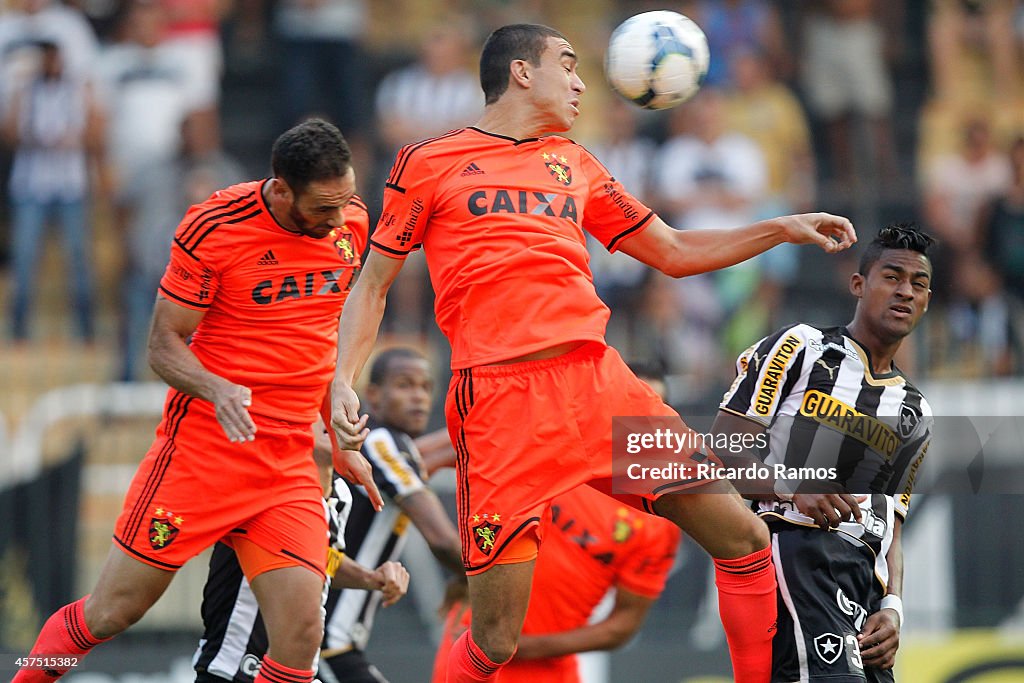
(64, 636)
(272, 672)
(747, 604)
(467, 663)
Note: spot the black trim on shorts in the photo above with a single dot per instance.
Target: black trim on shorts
(319, 570)
(497, 553)
(147, 558)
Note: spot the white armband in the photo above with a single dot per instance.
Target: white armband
(895, 603)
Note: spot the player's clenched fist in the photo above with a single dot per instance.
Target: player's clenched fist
(393, 581)
(348, 425)
(231, 402)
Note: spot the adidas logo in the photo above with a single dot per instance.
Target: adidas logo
(267, 259)
(472, 169)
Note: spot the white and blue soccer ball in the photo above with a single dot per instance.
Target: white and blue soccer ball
(657, 59)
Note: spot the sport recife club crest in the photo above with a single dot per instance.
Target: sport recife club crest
(558, 167)
(343, 243)
(163, 528)
(485, 532)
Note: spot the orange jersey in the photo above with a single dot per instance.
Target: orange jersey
(592, 543)
(501, 222)
(271, 297)
(600, 543)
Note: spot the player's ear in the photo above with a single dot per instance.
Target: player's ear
(857, 285)
(280, 188)
(519, 72)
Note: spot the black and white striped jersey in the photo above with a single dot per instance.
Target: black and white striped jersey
(371, 537)
(824, 408)
(234, 638)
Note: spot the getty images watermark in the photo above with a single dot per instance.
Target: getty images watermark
(657, 454)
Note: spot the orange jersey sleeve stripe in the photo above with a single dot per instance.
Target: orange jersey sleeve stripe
(208, 220)
(394, 178)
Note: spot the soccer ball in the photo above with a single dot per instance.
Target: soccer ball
(657, 59)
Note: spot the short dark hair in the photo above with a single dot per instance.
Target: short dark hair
(895, 236)
(382, 363)
(503, 46)
(311, 151)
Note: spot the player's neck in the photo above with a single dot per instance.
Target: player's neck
(880, 352)
(510, 122)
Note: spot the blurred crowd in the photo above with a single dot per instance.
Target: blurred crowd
(117, 114)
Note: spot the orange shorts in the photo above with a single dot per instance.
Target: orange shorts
(527, 432)
(194, 488)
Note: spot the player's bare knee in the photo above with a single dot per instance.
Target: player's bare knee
(750, 537)
(496, 637)
(108, 618)
(499, 647)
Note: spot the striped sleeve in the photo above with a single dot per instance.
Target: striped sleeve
(612, 214)
(339, 506)
(408, 201)
(762, 374)
(192, 278)
(907, 461)
(394, 469)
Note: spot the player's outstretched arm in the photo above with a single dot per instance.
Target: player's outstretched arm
(425, 511)
(357, 333)
(172, 359)
(621, 624)
(436, 450)
(880, 637)
(688, 252)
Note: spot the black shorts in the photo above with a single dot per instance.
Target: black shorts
(827, 588)
(349, 667)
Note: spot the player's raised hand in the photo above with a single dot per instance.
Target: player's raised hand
(879, 639)
(353, 466)
(348, 425)
(393, 581)
(231, 403)
(831, 233)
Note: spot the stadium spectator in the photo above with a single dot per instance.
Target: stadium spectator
(735, 26)
(765, 110)
(324, 66)
(193, 35)
(242, 331)
(515, 297)
(56, 131)
(973, 52)
(147, 96)
(604, 546)
(434, 94)
(710, 176)
(838, 555)
(164, 192)
(25, 22)
(847, 82)
(707, 175)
